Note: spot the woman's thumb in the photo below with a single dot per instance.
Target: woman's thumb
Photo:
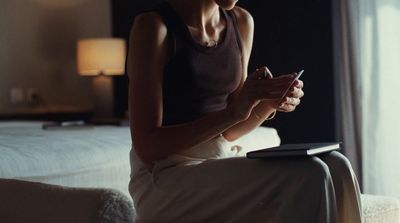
(261, 73)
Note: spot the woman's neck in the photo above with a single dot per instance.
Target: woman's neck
(197, 13)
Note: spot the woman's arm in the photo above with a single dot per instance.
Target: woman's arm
(263, 108)
(246, 28)
(148, 54)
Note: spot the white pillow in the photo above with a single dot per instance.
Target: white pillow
(259, 138)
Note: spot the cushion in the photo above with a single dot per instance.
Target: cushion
(380, 209)
(259, 138)
(23, 201)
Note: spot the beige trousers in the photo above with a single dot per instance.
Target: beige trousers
(213, 182)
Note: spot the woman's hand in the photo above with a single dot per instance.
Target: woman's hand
(292, 98)
(258, 86)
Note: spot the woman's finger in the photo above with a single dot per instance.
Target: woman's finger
(289, 104)
(298, 84)
(286, 108)
(290, 101)
(256, 75)
(261, 73)
(265, 72)
(296, 93)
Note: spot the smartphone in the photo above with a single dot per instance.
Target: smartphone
(298, 75)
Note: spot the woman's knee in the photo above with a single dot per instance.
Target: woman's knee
(337, 162)
(317, 169)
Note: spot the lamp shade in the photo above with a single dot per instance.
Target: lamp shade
(101, 56)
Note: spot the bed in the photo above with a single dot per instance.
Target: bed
(96, 156)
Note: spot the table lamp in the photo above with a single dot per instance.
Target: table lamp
(102, 58)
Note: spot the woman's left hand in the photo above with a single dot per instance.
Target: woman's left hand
(292, 98)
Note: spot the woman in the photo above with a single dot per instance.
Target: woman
(190, 97)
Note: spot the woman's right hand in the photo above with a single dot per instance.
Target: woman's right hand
(259, 86)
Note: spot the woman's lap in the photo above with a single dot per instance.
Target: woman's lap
(239, 187)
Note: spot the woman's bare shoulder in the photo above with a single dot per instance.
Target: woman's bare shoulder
(147, 43)
(149, 23)
(244, 18)
(246, 28)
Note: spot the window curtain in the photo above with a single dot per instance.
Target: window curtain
(368, 61)
(347, 81)
(380, 75)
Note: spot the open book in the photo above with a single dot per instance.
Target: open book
(302, 149)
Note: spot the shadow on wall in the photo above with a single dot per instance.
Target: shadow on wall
(57, 41)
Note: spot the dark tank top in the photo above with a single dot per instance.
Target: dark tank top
(197, 79)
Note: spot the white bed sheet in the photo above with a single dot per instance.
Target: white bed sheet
(84, 157)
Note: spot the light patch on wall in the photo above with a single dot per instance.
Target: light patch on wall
(37, 51)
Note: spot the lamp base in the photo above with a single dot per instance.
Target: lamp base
(103, 97)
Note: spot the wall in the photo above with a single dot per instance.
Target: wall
(37, 49)
(291, 35)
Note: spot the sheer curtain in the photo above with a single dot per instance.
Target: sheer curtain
(368, 61)
(380, 77)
